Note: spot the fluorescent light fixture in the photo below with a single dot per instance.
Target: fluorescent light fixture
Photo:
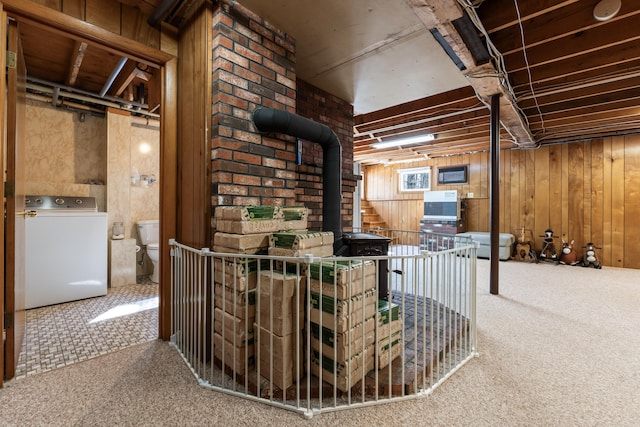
(395, 162)
(405, 141)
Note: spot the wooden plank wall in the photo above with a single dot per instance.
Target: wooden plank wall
(111, 15)
(194, 118)
(587, 192)
(403, 210)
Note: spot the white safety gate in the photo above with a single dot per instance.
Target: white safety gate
(311, 335)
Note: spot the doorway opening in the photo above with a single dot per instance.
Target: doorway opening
(84, 39)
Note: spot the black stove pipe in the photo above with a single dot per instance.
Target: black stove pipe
(271, 120)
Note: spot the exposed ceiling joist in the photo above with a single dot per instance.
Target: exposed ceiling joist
(581, 78)
(76, 61)
(503, 15)
(485, 79)
(449, 99)
(124, 78)
(550, 27)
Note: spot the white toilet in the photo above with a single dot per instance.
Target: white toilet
(149, 232)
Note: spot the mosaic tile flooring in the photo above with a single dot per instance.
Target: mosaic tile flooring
(63, 334)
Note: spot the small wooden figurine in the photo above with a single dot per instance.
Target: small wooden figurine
(524, 247)
(549, 249)
(568, 256)
(590, 257)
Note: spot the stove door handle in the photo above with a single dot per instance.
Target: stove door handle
(28, 214)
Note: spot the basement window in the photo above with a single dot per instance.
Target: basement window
(415, 179)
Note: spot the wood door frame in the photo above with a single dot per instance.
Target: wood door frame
(3, 60)
(167, 64)
(14, 207)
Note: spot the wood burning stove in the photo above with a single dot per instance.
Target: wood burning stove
(369, 244)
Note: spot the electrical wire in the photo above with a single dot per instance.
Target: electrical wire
(498, 59)
(526, 60)
(601, 128)
(417, 119)
(586, 82)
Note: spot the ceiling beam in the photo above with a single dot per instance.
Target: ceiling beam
(594, 94)
(595, 41)
(79, 50)
(504, 15)
(566, 22)
(422, 121)
(592, 119)
(441, 127)
(124, 78)
(588, 67)
(485, 79)
(434, 102)
(583, 110)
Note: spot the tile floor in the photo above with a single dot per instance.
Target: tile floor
(63, 334)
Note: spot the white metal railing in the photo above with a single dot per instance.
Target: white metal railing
(311, 334)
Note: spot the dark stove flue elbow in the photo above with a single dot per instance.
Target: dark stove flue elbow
(280, 121)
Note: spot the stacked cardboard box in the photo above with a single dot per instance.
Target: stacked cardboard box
(342, 315)
(343, 375)
(255, 304)
(239, 303)
(280, 319)
(340, 346)
(239, 274)
(343, 321)
(237, 334)
(294, 218)
(234, 288)
(257, 243)
(248, 219)
(233, 329)
(242, 230)
(297, 243)
(342, 279)
(390, 325)
(237, 358)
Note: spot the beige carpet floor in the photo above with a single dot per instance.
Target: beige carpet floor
(560, 346)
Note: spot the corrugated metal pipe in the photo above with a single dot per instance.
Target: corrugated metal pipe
(280, 121)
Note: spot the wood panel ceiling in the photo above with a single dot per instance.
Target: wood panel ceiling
(73, 64)
(572, 76)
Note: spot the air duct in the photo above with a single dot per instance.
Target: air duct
(271, 120)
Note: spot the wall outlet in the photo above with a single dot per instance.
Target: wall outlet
(469, 195)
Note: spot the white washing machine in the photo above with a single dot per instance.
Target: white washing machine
(65, 250)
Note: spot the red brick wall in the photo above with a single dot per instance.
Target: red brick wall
(253, 65)
(336, 113)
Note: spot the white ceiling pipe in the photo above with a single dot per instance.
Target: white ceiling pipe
(70, 105)
(84, 92)
(97, 101)
(144, 121)
(113, 76)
